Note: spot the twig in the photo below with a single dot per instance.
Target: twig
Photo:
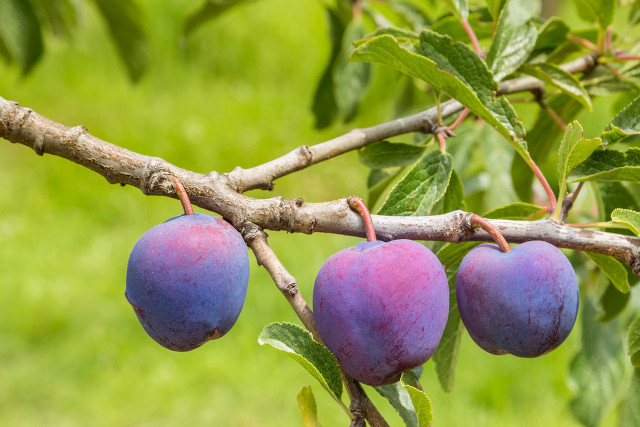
(262, 176)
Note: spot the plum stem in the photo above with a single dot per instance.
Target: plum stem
(359, 206)
(478, 221)
(182, 195)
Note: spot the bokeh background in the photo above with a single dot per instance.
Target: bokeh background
(71, 350)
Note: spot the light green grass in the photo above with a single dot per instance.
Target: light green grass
(71, 350)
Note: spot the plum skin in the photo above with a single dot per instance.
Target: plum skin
(523, 302)
(381, 308)
(187, 280)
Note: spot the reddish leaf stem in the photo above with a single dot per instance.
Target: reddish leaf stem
(442, 139)
(545, 184)
(624, 57)
(472, 35)
(357, 204)
(584, 42)
(478, 221)
(182, 195)
(459, 120)
(555, 117)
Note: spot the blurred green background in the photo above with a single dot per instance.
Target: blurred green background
(71, 350)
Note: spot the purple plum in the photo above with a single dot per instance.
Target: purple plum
(523, 302)
(381, 308)
(187, 280)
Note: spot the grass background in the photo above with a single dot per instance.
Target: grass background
(71, 350)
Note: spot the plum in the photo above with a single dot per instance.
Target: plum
(187, 280)
(523, 302)
(381, 308)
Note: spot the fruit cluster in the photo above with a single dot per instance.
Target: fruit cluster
(380, 307)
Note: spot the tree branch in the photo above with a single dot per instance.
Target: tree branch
(216, 192)
(262, 176)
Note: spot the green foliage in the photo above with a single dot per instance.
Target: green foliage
(421, 402)
(445, 66)
(598, 372)
(608, 166)
(399, 398)
(556, 76)
(625, 124)
(124, 18)
(614, 270)
(307, 405)
(514, 39)
(297, 343)
(208, 11)
(385, 154)
(633, 342)
(424, 185)
(629, 218)
(20, 34)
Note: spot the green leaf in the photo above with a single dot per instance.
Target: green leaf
(614, 270)
(601, 10)
(633, 342)
(611, 303)
(401, 402)
(629, 218)
(598, 372)
(20, 34)
(514, 39)
(350, 80)
(609, 165)
(297, 343)
(574, 149)
(421, 402)
(615, 195)
(630, 409)
(561, 79)
(625, 124)
(460, 61)
(460, 8)
(59, 15)
(551, 34)
(517, 211)
(377, 181)
(308, 408)
(209, 10)
(454, 196)
(421, 188)
(454, 69)
(325, 107)
(386, 154)
(124, 18)
(445, 357)
(495, 7)
(452, 253)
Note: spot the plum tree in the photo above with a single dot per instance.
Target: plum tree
(187, 280)
(522, 302)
